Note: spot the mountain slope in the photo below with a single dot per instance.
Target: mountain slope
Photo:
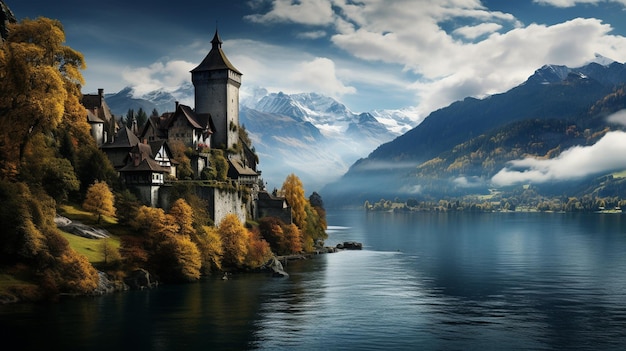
(551, 93)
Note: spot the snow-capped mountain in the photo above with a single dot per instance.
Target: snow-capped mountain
(312, 135)
(280, 126)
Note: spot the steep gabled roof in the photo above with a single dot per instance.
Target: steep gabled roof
(197, 121)
(92, 118)
(97, 105)
(147, 164)
(124, 138)
(242, 170)
(215, 59)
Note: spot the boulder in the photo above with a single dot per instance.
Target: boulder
(275, 267)
(140, 279)
(350, 245)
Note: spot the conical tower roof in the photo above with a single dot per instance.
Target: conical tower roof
(215, 59)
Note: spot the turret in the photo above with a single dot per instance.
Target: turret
(216, 82)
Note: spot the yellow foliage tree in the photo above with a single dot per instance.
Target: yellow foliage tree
(293, 191)
(183, 217)
(178, 259)
(38, 74)
(210, 246)
(234, 241)
(100, 200)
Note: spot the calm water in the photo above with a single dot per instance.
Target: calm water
(509, 281)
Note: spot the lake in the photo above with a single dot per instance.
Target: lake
(423, 281)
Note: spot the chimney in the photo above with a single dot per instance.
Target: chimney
(101, 95)
(176, 106)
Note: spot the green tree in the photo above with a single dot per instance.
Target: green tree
(142, 117)
(184, 163)
(93, 166)
(126, 206)
(220, 164)
(100, 200)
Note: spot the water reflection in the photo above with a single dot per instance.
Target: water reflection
(427, 281)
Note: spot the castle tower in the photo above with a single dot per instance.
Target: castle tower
(216, 82)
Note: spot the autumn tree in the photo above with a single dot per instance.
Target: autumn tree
(284, 239)
(38, 74)
(234, 241)
(293, 192)
(42, 168)
(177, 259)
(29, 237)
(100, 200)
(209, 243)
(271, 229)
(292, 239)
(182, 214)
(259, 251)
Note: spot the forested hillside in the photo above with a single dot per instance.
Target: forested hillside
(458, 149)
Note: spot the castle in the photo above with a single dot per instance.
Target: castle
(143, 157)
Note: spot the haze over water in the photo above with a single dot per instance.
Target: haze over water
(424, 281)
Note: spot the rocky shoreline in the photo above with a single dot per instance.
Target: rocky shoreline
(141, 279)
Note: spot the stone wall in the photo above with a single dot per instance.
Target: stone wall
(220, 202)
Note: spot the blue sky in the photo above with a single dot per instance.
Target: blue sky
(369, 54)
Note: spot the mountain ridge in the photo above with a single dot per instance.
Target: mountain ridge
(551, 93)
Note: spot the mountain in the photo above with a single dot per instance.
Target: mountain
(311, 135)
(162, 100)
(419, 161)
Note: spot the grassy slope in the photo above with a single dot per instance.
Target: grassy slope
(91, 248)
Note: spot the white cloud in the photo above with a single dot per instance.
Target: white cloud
(618, 117)
(320, 75)
(410, 34)
(607, 155)
(310, 12)
(473, 32)
(159, 75)
(572, 3)
(400, 49)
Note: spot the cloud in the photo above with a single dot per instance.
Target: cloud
(424, 40)
(320, 75)
(473, 32)
(607, 155)
(310, 12)
(618, 117)
(166, 75)
(471, 182)
(572, 3)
